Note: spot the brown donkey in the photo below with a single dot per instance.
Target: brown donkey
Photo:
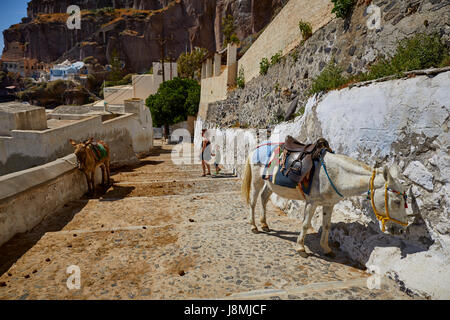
(90, 155)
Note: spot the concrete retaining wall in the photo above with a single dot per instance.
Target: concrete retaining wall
(26, 197)
(213, 89)
(283, 33)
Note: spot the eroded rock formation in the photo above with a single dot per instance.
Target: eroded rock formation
(192, 23)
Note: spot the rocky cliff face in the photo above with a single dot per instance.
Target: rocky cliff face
(192, 23)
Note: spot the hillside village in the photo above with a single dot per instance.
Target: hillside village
(153, 80)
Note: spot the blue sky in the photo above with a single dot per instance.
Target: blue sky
(11, 12)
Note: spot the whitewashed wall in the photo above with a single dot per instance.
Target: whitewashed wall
(403, 122)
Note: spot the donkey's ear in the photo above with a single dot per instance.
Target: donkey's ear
(386, 174)
(73, 143)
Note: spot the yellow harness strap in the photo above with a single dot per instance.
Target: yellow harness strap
(380, 217)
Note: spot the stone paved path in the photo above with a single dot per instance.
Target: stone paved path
(163, 232)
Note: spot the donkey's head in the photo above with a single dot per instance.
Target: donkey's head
(390, 203)
(81, 151)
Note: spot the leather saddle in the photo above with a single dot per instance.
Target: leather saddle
(297, 160)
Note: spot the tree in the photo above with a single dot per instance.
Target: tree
(174, 101)
(229, 31)
(116, 73)
(190, 63)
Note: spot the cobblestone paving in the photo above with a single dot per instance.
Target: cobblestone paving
(163, 232)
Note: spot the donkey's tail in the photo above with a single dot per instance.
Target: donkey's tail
(246, 181)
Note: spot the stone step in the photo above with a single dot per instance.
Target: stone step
(156, 166)
(179, 237)
(333, 290)
(152, 211)
(178, 175)
(196, 261)
(163, 188)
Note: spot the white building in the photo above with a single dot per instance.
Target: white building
(142, 86)
(67, 70)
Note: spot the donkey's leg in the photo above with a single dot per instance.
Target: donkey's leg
(326, 225)
(310, 209)
(103, 167)
(108, 173)
(93, 181)
(256, 185)
(88, 180)
(265, 196)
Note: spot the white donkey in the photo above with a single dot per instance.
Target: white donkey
(347, 177)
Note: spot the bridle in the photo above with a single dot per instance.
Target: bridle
(371, 195)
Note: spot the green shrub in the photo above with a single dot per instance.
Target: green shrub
(330, 78)
(264, 66)
(241, 78)
(422, 51)
(190, 64)
(229, 31)
(305, 29)
(445, 62)
(342, 8)
(276, 58)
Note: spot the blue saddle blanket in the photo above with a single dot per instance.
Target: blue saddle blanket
(278, 175)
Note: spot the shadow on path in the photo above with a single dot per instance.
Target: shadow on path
(15, 248)
(312, 242)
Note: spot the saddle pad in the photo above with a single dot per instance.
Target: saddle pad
(264, 152)
(274, 173)
(99, 151)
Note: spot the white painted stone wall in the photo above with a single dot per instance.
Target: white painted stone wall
(26, 197)
(403, 122)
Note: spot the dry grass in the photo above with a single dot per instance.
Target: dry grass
(52, 17)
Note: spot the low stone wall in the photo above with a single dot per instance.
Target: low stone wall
(402, 122)
(17, 116)
(26, 197)
(127, 134)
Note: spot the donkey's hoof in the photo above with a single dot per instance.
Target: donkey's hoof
(266, 229)
(330, 254)
(303, 254)
(301, 251)
(255, 230)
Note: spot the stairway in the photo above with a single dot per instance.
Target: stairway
(164, 232)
